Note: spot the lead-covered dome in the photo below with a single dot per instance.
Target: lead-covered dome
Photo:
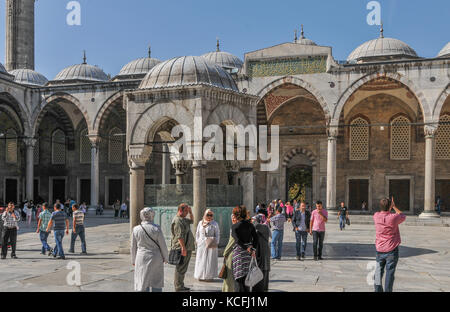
(139, 67)
(227, 61)
(81, 73)
(29, 77)
(187, 71)
(303, 40)
(381, 49)
(445, 51)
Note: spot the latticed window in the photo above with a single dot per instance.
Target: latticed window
(400, 139)
(36, 153)
(58, 147)
(11, 146)
(443, 138)
(115, 146)
(359, 139)
(85, 147)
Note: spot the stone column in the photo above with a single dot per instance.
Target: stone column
(199, 190)
(232, 169)
(429, 209)
(95, 170)
(165, 165)
(137, 184)
(331, 170)
(246, 173)
(30, 145)
(180, 167)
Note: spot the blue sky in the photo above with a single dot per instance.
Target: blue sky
(115, 32)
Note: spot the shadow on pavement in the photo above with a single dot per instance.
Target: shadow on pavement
(352, 251)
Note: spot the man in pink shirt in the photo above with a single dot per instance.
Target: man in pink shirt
(317, 229)
(387, 242)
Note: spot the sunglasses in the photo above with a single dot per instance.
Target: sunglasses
(209, 215)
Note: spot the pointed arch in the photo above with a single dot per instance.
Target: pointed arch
(423, 103)
(104, 110)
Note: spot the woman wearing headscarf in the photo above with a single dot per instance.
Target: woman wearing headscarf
(262, 251)
(148, 254)
(228, 282)
(207, 237)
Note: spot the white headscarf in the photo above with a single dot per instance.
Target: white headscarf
(147, 215)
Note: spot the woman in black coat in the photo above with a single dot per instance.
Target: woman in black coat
(262, 251)
(244, 234)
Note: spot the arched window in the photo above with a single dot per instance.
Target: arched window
(359, 139)
(115, 146)
(11, 146)
(443, 138)
(400, 139)
(85, 147)
(58, 148)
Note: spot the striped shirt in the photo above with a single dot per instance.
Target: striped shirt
(9, 221)
(59, 220)
(45, 217)
(78, 217)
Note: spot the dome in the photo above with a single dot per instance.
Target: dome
(81, 73)
(382, 49)
(223, 59)
(138, 67)
(186, 71)
(445, 51)
(28, 77)
(303, 40)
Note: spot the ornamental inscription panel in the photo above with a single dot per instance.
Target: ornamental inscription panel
(294, 66)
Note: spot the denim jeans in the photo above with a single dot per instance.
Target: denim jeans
(44, 236)
(59, 235)
(277, 244)
(79, 231)
(389, 261)
(318, 238)
(342, 220)
(301, 240)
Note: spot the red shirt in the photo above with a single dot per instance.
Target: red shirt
(387, 231)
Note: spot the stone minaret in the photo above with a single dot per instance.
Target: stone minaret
(19, 34)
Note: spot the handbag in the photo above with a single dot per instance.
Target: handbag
(255, 275)
(223, 271)
(347, 221)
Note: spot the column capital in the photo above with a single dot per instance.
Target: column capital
(232, 165)
(30, 142)
(196, 164)
(181, 166)
(332, 132)
(95, 139)
(430, 131)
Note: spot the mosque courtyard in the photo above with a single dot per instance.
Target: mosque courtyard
(424, 264)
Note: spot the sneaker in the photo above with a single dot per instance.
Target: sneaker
(183, 289)
(71, 251)
(320, 258)
(298, 258)
(303, 256)
(84, 253)
(50, 252)
(14, 257)
(61, 258)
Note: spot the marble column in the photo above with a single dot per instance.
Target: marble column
(95, 170)
(165, 165)
(248, 196)
(30, 145)
(429, 194)
(199, 190)
(331, 170)
(137, 184)
(180, 167)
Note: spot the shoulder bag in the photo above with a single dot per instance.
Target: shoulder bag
(255, 275)
(210, 241)
(175, 257)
